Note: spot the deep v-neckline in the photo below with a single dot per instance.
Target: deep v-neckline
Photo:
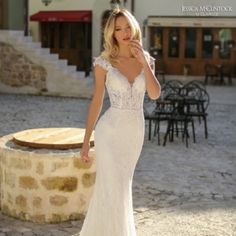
(126, 78)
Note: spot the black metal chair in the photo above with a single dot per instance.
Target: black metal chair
(226, 70)
(211, 71)
(199, 83)
(170, 87)
(197, 100)
(178, 120)
(174, 83)
(163, 108)
(161, 113)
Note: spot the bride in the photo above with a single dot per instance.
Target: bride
(127, 72)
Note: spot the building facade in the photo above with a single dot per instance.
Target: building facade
(183, 35)
(70, 28)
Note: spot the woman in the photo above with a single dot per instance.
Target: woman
(126, 70)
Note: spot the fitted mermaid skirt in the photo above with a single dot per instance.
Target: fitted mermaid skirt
(118, 141)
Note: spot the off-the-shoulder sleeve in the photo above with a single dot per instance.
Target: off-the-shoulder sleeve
(101, 62)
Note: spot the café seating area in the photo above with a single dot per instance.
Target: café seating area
(219, 74)
(179, 109)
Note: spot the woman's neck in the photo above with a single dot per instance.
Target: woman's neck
(124, 51)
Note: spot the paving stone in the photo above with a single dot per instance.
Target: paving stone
(14, 233)
(176, 191)
(23, 230)
(30, 233)
(4, 230)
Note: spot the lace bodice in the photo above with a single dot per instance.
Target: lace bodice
(122, 93)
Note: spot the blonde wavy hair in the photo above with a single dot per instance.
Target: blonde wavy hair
(111, 47)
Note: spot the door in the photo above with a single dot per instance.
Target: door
(72, 41)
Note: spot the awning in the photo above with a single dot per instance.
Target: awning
(62, 16)
(211, 22)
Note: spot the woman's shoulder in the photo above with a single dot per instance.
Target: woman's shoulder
(102, 62)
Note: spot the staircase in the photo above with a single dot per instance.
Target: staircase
(62, 79)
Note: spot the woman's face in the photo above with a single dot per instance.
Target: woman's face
(122, 32)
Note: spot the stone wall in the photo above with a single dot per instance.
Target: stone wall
(42, 185)
(17, 70)
(27, 68)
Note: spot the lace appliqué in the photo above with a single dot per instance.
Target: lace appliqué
(122, 94)
(131, 99)
(101, 62)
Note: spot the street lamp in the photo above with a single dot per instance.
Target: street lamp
(115, 4)
(46, 2)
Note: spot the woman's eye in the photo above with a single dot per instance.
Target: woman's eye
(117, 29)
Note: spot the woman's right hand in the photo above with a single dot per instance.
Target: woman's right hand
(84, 153)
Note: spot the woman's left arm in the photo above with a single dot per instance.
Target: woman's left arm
(152, 85)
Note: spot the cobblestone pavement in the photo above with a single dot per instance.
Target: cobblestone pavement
(176, 191)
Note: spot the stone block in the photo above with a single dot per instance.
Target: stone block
(38, 218)
(28, 182)
(5, 209)
(58, 165)
(9, 198)
(37, 202)
(40, 168)
(18, 163)
(21, 201)
(56, 218)
(88, 179)
(76, 216)
(66, 184)
(10, 179)
(82, 165)
(58, 200)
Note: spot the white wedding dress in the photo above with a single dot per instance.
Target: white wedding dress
(119, 135)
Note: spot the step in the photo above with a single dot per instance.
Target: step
(28, 39)
(71, 69)
(42, 51)
(61, 63)
(14, 33)
(78, 74)
(22, 44)
(36, 45)
(52, 56)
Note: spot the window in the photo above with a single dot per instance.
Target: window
(190, 43)
(207, 43)
(225, 43)
(173, 50)
(156, 47)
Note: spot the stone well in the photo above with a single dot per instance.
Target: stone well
(44, 185)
